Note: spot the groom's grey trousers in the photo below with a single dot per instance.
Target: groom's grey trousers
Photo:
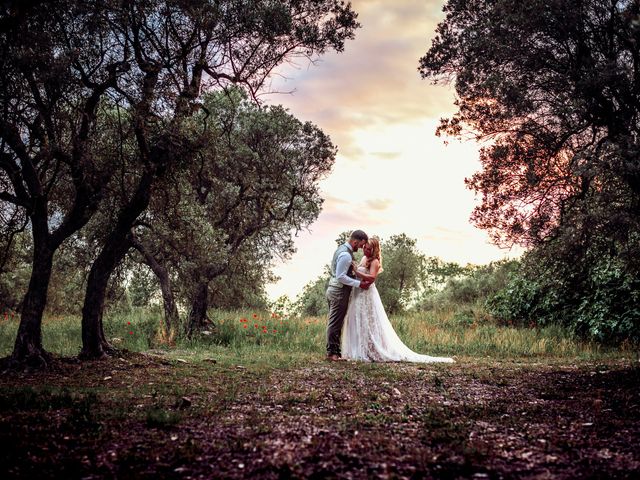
(338, 299)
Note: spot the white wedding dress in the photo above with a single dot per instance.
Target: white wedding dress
(368, 335)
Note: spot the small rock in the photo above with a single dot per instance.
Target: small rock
(107, 378)
(181, 360)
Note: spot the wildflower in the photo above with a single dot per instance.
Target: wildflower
(244, 326)
(255, 316)
(128, 323)
(274, 330)
(255, 325)
(130, 333)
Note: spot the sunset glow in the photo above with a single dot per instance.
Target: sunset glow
(392, 174)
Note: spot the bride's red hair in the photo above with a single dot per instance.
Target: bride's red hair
(374, 243)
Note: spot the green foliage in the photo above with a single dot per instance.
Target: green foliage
(14, 275)
(554, 87)
(143, 285)
(222, 218)
(597, 298)
(471, 285)
(403, 270)
(313, 301)
(533, 77)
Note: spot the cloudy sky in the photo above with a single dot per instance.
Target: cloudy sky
(392, 174)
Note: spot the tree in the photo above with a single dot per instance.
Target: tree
(404, 267)
(229, 212)
(63, 61)
(554, 87)
(175, 51)
(56, 64)
(312, 301)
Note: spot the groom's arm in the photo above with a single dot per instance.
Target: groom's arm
(342, 267)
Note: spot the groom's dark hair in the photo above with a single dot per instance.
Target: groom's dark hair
(359, 235)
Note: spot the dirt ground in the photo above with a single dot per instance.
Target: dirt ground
(146, 416)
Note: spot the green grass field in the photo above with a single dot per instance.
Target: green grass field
(259, 335)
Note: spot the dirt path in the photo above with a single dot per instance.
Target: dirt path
(145, 417)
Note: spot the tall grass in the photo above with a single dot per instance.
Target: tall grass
(255, 337)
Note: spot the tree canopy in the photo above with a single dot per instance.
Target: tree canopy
(553, 88)
(552, 91)
(67, 66)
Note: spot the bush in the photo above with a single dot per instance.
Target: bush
(472, 285)
(312, 302)
(597, 297)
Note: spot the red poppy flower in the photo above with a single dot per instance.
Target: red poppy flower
(128, 323)
(244, 326)
(255, 316)
(274, 330)
(255, 325)
(130, 333)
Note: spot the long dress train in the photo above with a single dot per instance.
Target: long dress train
(368, 335)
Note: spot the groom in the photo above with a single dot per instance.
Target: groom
(339, 290)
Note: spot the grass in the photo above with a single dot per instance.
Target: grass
(262, 337)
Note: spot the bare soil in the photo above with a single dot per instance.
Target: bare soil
(145, 416)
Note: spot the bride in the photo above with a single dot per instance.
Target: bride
(367, 333)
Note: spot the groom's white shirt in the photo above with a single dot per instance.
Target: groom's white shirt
(342, 267)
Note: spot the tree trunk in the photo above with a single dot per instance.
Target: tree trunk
(28, 348)
(94, 342)
(117, 244)
(198, 314)
(171, 316)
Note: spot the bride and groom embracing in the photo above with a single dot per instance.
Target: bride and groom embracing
(358, 327)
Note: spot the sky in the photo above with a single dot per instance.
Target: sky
(392, 174)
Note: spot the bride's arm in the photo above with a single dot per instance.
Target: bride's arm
(373, 271)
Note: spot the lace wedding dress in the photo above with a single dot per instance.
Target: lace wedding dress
(368, 335)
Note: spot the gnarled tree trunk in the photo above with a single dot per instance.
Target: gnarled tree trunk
(117, 244)
(199, 304)
(171, 316)
(28, 348)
